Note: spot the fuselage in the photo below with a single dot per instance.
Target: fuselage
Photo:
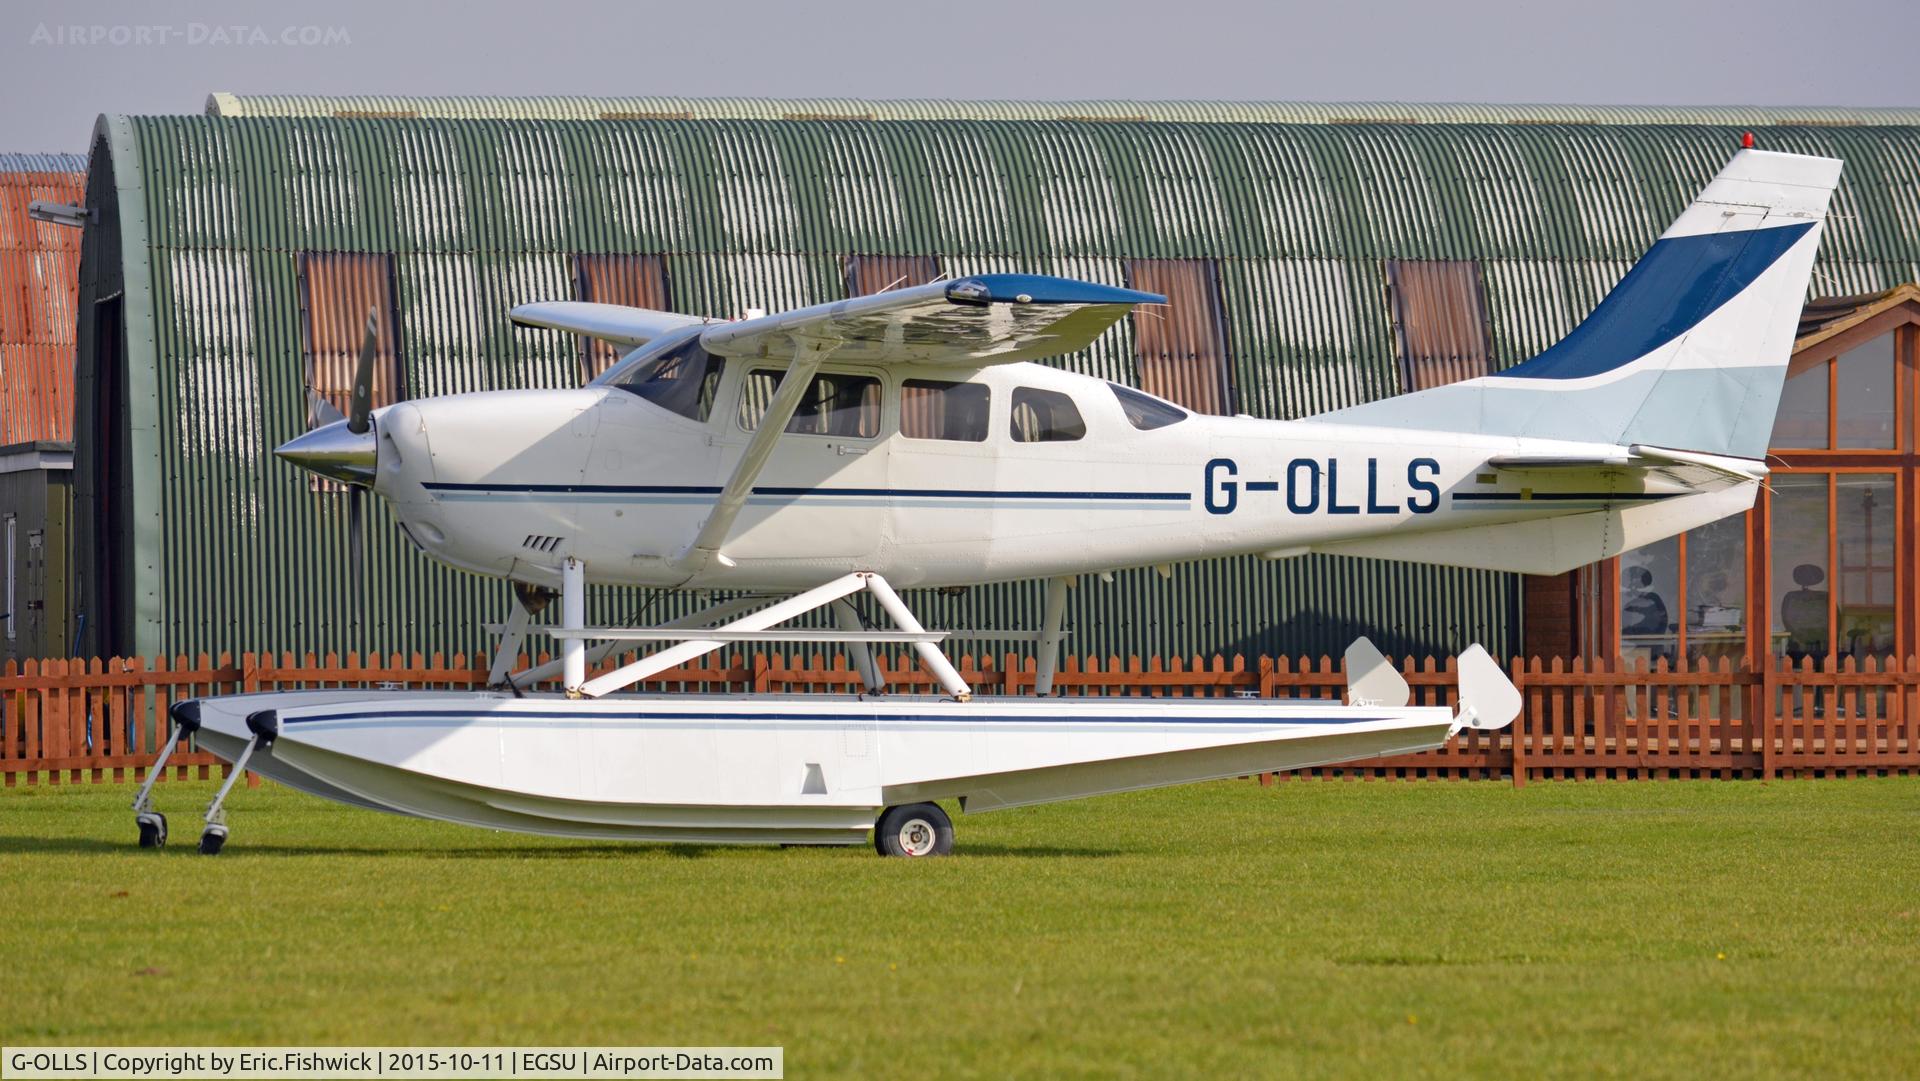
(1031, 472)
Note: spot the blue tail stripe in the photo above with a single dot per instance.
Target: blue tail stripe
(1679, 282)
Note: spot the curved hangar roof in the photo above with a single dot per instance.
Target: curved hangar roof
(221, 103)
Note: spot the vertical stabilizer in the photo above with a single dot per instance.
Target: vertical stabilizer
(1689, 351)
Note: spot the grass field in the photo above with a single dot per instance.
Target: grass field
(1315, 929)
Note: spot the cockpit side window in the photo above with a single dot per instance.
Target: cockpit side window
(683, 380)
(1044, 416)
(1144, 411)
(835, 403)
(936, 409)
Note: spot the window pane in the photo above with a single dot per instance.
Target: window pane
(931, 409)
(1649, 601)
(683, 381)
(1144, 411)
(1802, 420)
(1866, 405)
(1717, 590)
(1044, 416)
(1799, 565)
(834, 404)
(1867, 524)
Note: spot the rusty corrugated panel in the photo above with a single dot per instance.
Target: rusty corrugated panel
(636, 281)
(1439, 320)
(869, 273)
(39, 269)
(1182, 344)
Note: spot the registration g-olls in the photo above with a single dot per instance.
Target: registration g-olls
(825, 457)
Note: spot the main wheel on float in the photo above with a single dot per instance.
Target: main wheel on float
(916, 829)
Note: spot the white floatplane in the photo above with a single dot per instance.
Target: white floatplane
(819, 458)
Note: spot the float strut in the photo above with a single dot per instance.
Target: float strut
(930, 654)
(573, 616)
(511, 638)
(1046, 658)
(849, 620)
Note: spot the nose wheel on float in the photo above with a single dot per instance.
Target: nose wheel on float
(915, 829)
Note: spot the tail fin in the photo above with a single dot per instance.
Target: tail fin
(1688, 352)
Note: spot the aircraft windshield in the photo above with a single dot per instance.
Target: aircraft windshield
(1146, 412)
(683, 379)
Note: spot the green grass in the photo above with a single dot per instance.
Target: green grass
(1317, 929)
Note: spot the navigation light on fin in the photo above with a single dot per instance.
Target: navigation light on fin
(1488, 699)
(1372, 679)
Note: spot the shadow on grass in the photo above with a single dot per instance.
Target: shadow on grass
(238, 849)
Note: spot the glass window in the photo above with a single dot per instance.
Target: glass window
(1716, 589)
(1802, 419)
(835, 403)
(682, 380)
(1649, 601)
(1866, 403)
(1866, 525)
(1144, 411)
(1799, 540)
(932, 409)
(1044, 416)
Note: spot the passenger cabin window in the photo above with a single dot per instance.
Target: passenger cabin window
(1144, 411)
(1044, 416)
(932, 409)
(836, 403)
(682, 380)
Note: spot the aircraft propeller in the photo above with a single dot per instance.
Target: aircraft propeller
(359, 422)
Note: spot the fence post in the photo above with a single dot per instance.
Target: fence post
(1528, 707)
(1765, 716)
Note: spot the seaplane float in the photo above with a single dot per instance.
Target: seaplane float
(827, 457)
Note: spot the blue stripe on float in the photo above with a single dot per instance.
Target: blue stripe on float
(444, 718)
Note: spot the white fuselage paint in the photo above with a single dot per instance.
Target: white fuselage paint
(486, 481)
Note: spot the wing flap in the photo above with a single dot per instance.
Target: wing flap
(969, 323)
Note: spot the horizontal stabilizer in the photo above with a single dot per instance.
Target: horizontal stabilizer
(1687, 468)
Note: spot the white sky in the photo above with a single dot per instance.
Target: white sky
(1763, 52)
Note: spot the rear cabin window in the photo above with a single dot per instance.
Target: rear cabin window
(1044, 416)
(932, 409)
(682, 380)
(1144, 411)
(835, 403)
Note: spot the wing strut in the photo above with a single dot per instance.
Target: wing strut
(705, 547)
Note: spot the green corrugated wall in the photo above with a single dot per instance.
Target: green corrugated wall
(482, 215)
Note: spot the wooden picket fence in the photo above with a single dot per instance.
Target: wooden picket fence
(66, 721)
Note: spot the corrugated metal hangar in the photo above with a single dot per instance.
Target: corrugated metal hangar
(1317, 256)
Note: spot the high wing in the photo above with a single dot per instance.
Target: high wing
(608, 322)
(968, 323)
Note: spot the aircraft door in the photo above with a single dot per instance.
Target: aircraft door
(824, 491)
